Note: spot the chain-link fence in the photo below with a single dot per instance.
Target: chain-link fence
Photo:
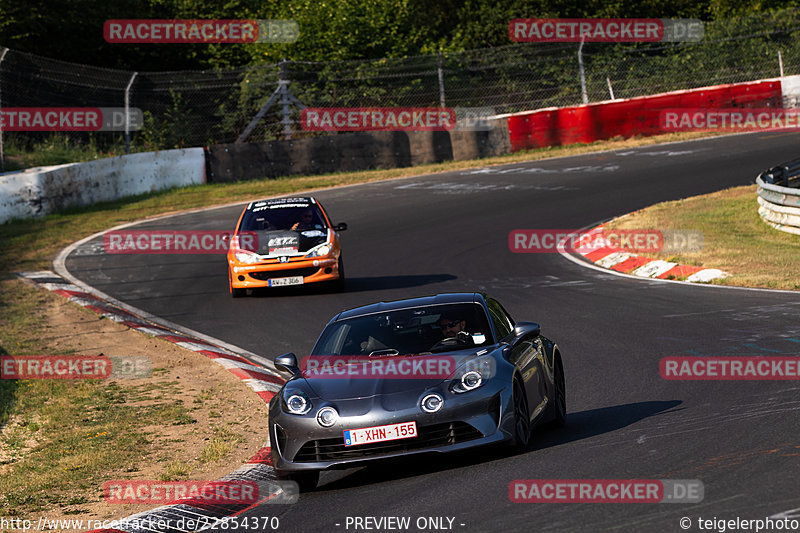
(191, 108)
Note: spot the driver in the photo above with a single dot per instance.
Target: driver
(306, 221)
(451, 326)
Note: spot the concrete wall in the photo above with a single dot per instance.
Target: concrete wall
(350, 152)
(45, 190)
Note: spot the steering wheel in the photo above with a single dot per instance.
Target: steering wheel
(461, 339)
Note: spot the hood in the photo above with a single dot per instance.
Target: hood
(385, 375)
(285, 242)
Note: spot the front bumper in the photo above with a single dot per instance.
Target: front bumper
(467, 420)
(313, 270)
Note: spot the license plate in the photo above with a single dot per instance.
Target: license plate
(405, 430)
(280, 282)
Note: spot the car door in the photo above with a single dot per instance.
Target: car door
(527, 355)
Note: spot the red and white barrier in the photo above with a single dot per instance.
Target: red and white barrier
(641, 115)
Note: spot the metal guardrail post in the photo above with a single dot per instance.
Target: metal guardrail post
(584, 93)
(441, 81)
(128, 114)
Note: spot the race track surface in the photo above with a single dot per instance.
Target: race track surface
(448, 232)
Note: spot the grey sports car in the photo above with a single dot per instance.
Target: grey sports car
(432, 374)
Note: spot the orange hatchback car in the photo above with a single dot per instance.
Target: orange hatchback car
(283, 242)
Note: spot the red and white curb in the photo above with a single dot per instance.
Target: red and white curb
(263, 381)
(644, 267)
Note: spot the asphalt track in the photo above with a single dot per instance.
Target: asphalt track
(448, 232)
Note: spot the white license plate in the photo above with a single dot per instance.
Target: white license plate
(405, 430)
(280, 282)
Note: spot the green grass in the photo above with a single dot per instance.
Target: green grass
(735, 238)
(54, 150)
(62, 437)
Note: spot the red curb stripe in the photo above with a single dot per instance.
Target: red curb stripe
(262, 457)
(242, 373)
(79, 294)
(631, 264)
(596, 255)
(680, 271)
(266, 395)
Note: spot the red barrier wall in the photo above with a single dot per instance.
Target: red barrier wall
(634, 116)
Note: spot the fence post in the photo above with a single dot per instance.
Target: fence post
(283, 83)
(584, 94)
(780, 62)
(128, 114)
(610, 90)
(2, 153)
(441, 81)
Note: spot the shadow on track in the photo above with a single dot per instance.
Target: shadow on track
(581, 425)
(363, 284)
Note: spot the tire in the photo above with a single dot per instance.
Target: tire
(337, 285)
(522, 422)
(559, 396)
(235, 292)
(306, 481)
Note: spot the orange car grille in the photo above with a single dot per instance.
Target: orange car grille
(263, 276)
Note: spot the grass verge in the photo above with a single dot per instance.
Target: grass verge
(735, 239)
(65, 435)
(60, 440)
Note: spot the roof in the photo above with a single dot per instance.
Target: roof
(395, 305)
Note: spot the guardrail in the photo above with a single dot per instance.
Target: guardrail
(779, 196)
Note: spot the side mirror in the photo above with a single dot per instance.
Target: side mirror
(341, 226)
(288, 363)
(524, 330)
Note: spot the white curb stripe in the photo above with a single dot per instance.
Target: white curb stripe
(230, 363)
(262, 386)
(194, 346)
(153, 331)
(653, 269)
(706, 275)
(613, 259)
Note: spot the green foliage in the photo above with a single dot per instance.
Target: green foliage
(329, 29)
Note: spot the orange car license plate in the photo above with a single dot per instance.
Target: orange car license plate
(405, 430)
(280, 282)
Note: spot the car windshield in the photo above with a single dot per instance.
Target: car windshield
(276, 217)
(430, 329)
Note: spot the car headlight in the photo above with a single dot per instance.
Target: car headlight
(246, 257)
(468, 381)
(297, 403)
(432, 403)
(319, 251)
(327, 416)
